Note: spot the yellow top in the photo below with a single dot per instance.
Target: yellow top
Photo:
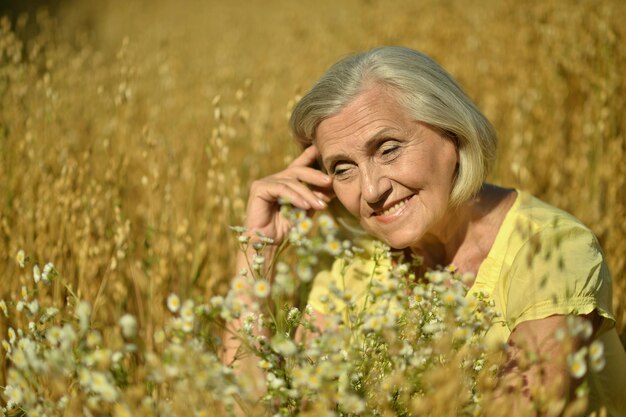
(543, 262)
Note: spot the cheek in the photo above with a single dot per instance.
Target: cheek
(440, 171)
(348, 196)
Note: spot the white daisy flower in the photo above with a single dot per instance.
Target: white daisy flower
(12, 335)
(187, 326)
(36, 273)
(101, 385)
(67, 337)
(596, 350)
(261, 288)
(128, 324)
(436, 277)
(577, 364)
(47, 269)
(284, 346)
(186, 311)
(263, 364)
(239, 284)
(14, 394)
(305, 226)
(83, 313)
(305, 272)
(173, 303)
(327, 224)
(33, 307)
(217, 301)
(449, 297)
(374, 323)
(20, 258)
(333, 246)
(258, 260)
(282, 267)
(53, 335)
(598, 364)
(94, 338)
(84, 377)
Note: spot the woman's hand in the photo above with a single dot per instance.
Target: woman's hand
(299, 184)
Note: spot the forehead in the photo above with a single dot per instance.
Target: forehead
(372, 112)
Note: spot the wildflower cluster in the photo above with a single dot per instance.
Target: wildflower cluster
(369, 354)
(591, 356)
(57, 349)
(408, 345)
(59, 362)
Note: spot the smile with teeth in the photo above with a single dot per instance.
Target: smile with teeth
(393, 209)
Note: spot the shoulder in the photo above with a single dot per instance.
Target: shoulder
(536, 215)
(553, 264)
(535, 227)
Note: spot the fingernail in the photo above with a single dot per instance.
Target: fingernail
(321, 203)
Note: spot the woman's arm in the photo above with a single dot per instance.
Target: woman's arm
(302, 186)
(536, 369)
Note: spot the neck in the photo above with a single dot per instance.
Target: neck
(439, 247)
(465, 234)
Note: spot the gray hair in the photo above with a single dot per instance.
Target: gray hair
(427, 92)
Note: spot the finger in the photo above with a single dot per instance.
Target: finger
(324, 196)
(294, 192)
(307, 175)
(318, 202)
(283, 193)
(306, 158)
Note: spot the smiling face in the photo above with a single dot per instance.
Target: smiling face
(391, 172)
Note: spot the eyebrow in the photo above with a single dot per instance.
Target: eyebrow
(370, 144)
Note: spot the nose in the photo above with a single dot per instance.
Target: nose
(375, 186)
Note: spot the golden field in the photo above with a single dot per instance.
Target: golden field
(130, 131)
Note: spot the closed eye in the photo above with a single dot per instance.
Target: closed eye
(341, 169)
(389, 147)
(390, 150)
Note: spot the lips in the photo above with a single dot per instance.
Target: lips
(392, 212)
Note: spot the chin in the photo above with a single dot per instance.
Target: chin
(397, 242)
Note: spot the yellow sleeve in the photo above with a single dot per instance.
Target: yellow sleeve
(558, 270)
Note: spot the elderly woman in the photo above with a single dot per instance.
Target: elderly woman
(406, 153)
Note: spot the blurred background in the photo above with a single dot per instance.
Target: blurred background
(131, 130)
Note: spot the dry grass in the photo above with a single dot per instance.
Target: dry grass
(119, 164)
